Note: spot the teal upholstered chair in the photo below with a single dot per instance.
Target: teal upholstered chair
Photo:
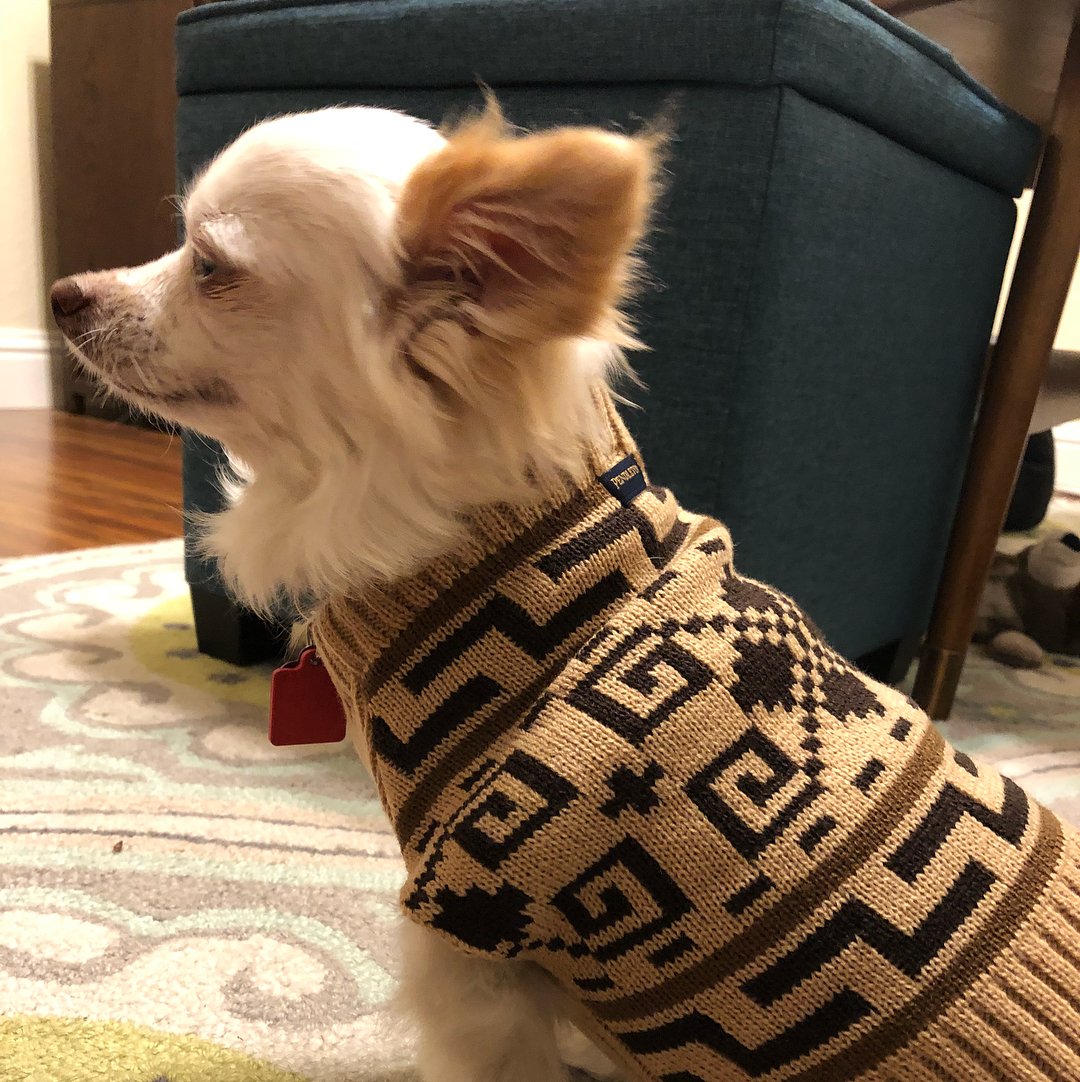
(829, 251)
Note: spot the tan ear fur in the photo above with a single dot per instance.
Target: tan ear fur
(533, 234)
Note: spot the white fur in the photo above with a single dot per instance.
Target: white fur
(372, 468)
(486, 1020)
(354, 458)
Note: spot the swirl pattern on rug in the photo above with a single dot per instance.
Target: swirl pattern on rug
(161, 864)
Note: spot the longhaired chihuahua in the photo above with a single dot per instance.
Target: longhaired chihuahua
(386, 327)
(654, 828)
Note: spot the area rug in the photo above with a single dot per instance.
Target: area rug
(178, 899)
(182, 902)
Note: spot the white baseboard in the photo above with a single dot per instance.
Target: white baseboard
(26, 368)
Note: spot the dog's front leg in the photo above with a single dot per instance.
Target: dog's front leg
(479, 1020)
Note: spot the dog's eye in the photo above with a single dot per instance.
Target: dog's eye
(202, 267)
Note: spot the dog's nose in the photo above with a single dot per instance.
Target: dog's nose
(67, 297)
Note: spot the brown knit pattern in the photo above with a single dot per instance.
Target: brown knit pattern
(605, 752)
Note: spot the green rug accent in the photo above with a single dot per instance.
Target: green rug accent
(162, 641)
(80, 1051)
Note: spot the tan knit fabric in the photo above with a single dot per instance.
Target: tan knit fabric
(604, 751)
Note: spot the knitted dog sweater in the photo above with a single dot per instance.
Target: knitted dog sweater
(604, 751)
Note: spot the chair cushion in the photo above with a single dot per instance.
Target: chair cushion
(827, 256)
(845, 54)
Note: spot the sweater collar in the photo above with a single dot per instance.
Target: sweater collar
(437, 669)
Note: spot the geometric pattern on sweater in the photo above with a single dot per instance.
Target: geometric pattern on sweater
(606, 753)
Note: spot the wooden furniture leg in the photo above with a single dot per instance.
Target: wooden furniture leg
(113, 103)
(1044, 269)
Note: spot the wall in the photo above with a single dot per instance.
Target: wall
(1068, 336)
(27, 241)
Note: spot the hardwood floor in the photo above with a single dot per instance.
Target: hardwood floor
(70, 482)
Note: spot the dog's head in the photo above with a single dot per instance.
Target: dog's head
(364, 308)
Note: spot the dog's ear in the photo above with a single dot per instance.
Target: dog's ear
(532, 234)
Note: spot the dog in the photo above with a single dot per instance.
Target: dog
(638, 798)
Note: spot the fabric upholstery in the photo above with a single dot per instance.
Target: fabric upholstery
(826, 260)
(845, 53)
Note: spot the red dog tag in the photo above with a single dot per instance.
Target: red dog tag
(304, 705)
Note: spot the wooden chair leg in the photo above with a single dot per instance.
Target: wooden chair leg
(1048, 256)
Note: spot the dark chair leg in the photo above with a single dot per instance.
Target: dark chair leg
(227, 631)
(890, 663)
(1044, 269)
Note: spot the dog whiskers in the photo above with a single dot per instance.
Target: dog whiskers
(86, 337)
